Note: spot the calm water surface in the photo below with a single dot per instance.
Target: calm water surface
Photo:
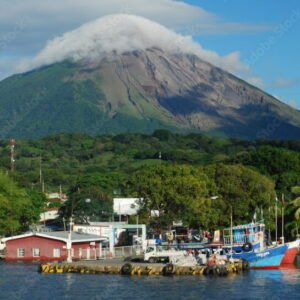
(22, 281)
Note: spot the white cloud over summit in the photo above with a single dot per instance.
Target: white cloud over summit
(26, 26)
(121, 33)
(173, 14)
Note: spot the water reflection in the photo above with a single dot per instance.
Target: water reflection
(291, 274)
(69, 280)
(24, 282)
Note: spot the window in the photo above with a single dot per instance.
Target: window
(21, 252)
(56, 252)
(36, 252)
(150, 249)
(80, 252)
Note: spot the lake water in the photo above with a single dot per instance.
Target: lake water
(22, 281)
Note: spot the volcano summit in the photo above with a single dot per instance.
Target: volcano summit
(124, 73)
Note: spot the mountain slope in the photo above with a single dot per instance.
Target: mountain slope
(139, 91)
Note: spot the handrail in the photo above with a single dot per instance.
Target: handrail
(241, 239)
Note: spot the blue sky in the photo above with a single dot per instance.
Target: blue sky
(272, 54)
(264, 32)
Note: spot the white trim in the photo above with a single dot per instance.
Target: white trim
(17, 237)
(66, 239)
(52, 238)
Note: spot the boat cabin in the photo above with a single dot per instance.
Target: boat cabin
(251, 234)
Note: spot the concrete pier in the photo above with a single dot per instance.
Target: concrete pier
(112, 266)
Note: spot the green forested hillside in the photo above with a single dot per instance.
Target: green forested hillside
(58, 98)
(245, 175)
(65, 157)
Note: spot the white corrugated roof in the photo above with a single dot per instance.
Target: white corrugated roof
(61, 236)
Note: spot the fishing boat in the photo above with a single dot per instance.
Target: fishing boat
(291, 253)
(268, 258)
(247, 242)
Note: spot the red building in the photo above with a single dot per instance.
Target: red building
(52, 246)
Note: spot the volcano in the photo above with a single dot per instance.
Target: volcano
(99, 80)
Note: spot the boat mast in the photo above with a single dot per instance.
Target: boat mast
(276, 200)
(261, 214)
(231, 231)
(282, 198)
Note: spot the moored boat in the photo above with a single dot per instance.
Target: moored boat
(268, 258)
(291, 252)
(247, 242)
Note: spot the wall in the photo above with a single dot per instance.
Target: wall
(94, 250)
(45, 245)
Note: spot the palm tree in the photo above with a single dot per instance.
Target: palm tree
(296, 205)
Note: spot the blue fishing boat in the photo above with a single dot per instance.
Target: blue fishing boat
(247, 242)
(268, 258)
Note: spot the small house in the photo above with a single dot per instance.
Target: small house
(52, 246)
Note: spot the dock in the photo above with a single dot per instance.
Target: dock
(120, 267)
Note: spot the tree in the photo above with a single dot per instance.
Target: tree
(94, 187)
(18, 208)
(178, 192)
(281, 164)
(293, 212)
(241, 189)
(36, 205)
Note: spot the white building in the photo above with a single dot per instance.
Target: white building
(49, 214)
(57, 197)
(102, 229)
(127, 206)
(2, 245)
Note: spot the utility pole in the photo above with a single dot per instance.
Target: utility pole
(42, 181)
(41, 176)
(12, 144)
(60, 192)
(137, 228)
